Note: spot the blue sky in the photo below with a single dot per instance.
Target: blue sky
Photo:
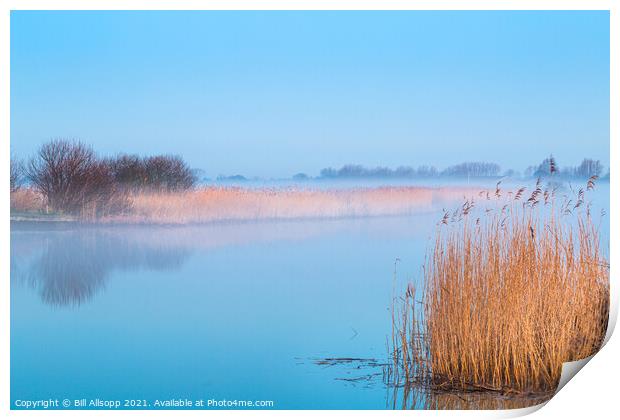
(271, 94)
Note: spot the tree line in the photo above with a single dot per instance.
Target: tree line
(586, 169)
(549, 167)
(466, 169)
(73, 179)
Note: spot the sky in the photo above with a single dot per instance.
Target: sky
(271, 94)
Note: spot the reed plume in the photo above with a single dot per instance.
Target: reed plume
(505, 300)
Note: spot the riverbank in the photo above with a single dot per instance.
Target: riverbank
(41, 217)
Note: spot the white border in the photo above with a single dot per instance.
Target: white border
(593, 394)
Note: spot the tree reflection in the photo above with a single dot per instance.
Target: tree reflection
(68, 268)
(68, 264)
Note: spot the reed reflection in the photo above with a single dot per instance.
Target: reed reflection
(413, 397)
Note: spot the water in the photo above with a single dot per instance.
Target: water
(239, 311)
(224, 311)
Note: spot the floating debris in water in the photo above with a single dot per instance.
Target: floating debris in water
(361, 362)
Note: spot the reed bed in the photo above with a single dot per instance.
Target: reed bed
(509, 294)
(27, 200)
(215, 204)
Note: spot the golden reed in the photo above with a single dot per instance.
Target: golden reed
(217, 204)
(214, 204)
(507, 298)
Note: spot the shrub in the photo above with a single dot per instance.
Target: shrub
(155, 173)
(128, 171)
(73, 180)
(168, 173)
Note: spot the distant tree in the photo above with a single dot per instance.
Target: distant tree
(347, 171)
(329, 173)
(301, 177)
(473, 169)
(546, 168)
(351, 171)
(425, 171)
(588, 168)
(379, 172)
(359, 171)
(404, 172)
(235, 178)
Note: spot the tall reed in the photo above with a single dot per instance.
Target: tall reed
(508, 296)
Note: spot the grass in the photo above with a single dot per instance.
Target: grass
(26, 200)
(216, 204)
(509, 295)
(213, 204)
(29, 205)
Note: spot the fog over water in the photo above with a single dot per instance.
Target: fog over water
(237, 310)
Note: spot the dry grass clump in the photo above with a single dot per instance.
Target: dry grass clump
(27, 200)
(508, 297)
(214, 204)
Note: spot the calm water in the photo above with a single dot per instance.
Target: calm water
(229, 311)
(224, 311)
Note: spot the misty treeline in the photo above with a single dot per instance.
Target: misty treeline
(73, 179)
(472, 169)
(548, 167)
(586, 169)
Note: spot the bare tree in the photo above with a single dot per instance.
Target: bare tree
(159, 173)
(546, 168)
(100, 194)
(588, 168)
(128, 172)
(72, 179)
(169, 173)
(473, 169)
(17, 174)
